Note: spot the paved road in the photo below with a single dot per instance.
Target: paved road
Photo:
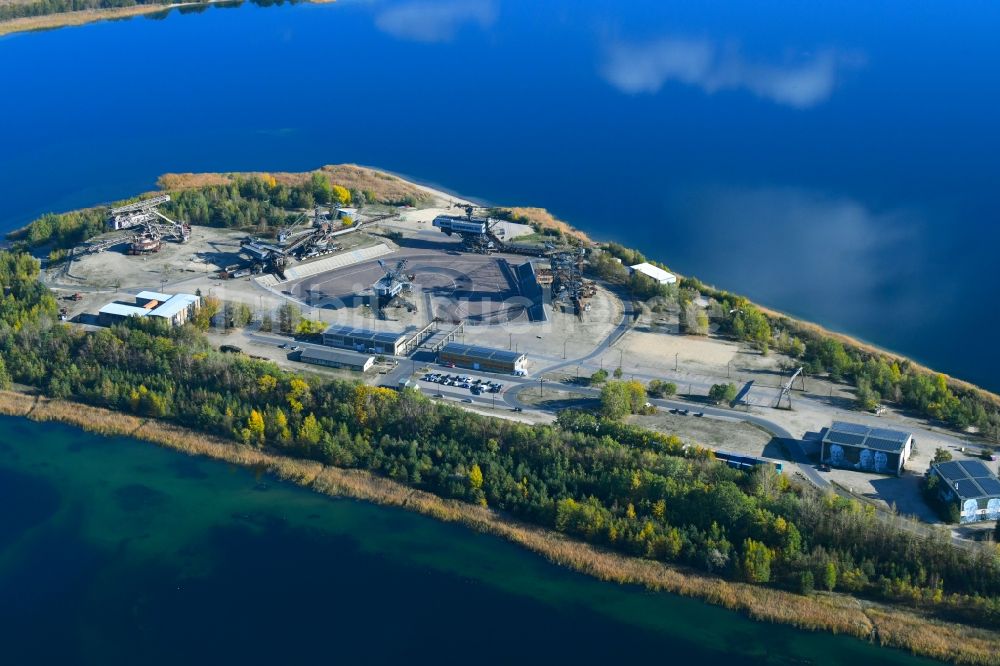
(790, 443)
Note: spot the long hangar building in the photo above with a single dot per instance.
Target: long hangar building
(483, 358)
(364, 340)
(855, 446)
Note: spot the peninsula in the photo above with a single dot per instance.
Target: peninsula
(369, 337)
(33, 15)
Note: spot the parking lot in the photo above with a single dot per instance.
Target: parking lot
(475, 385)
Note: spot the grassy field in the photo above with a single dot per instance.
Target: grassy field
(353, 177)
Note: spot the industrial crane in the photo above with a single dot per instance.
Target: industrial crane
(390, 287)
(141, 226)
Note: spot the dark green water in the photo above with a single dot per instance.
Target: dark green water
(116, 551)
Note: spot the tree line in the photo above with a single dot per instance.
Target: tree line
(591, 476)
(46, 7)
(877, 378)
(259, 204)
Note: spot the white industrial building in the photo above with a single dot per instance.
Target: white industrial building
(174, 308)
(651, 271)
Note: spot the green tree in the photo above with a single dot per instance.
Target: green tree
(615, 400)
(806, 582)
(322, 189)
(661, 389)
(237, 315)
(867, 399)
(830, 576)
(941, 455)
(599, 377)
(310, 431)
(756, 561)
(289, 315)
(722, 392)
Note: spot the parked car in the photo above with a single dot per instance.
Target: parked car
(466, 399)
(517, 409)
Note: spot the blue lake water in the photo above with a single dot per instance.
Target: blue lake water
(119, 553)
(836, 160)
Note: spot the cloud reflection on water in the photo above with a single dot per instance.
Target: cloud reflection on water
(831, 254)
(637, 68)
(431, 21)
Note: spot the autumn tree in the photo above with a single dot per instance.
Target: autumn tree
(756, 561)
(341, 195)
(253, 433)
(298, 394)
(210, 306)
(476, 477)
(310, 433)
(310, 327)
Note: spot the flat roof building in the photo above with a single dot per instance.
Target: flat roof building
(364, 340)
(971, 486)
(855, 446)
(145, 297)
(333, 358)
(112, 313)
(175, 309)
(483, 358)
(655, 272)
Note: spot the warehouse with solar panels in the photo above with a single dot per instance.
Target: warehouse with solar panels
(483, 358)
(971, 486)
(364, 340)
(867, 449)
(333, 358)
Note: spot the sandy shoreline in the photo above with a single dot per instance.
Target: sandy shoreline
(83, 17)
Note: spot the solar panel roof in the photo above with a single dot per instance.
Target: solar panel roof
(969, 478)
(991, 486)
(335, 355)
(485, 353)
(843, 426)
(855, 434)
(845, 438)
(880, 444)
(891, 435)
(386, 337)
(975, 468)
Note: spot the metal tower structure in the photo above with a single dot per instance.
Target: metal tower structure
(786, 390)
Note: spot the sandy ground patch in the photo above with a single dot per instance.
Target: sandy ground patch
(656, 351)
(717, 434)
